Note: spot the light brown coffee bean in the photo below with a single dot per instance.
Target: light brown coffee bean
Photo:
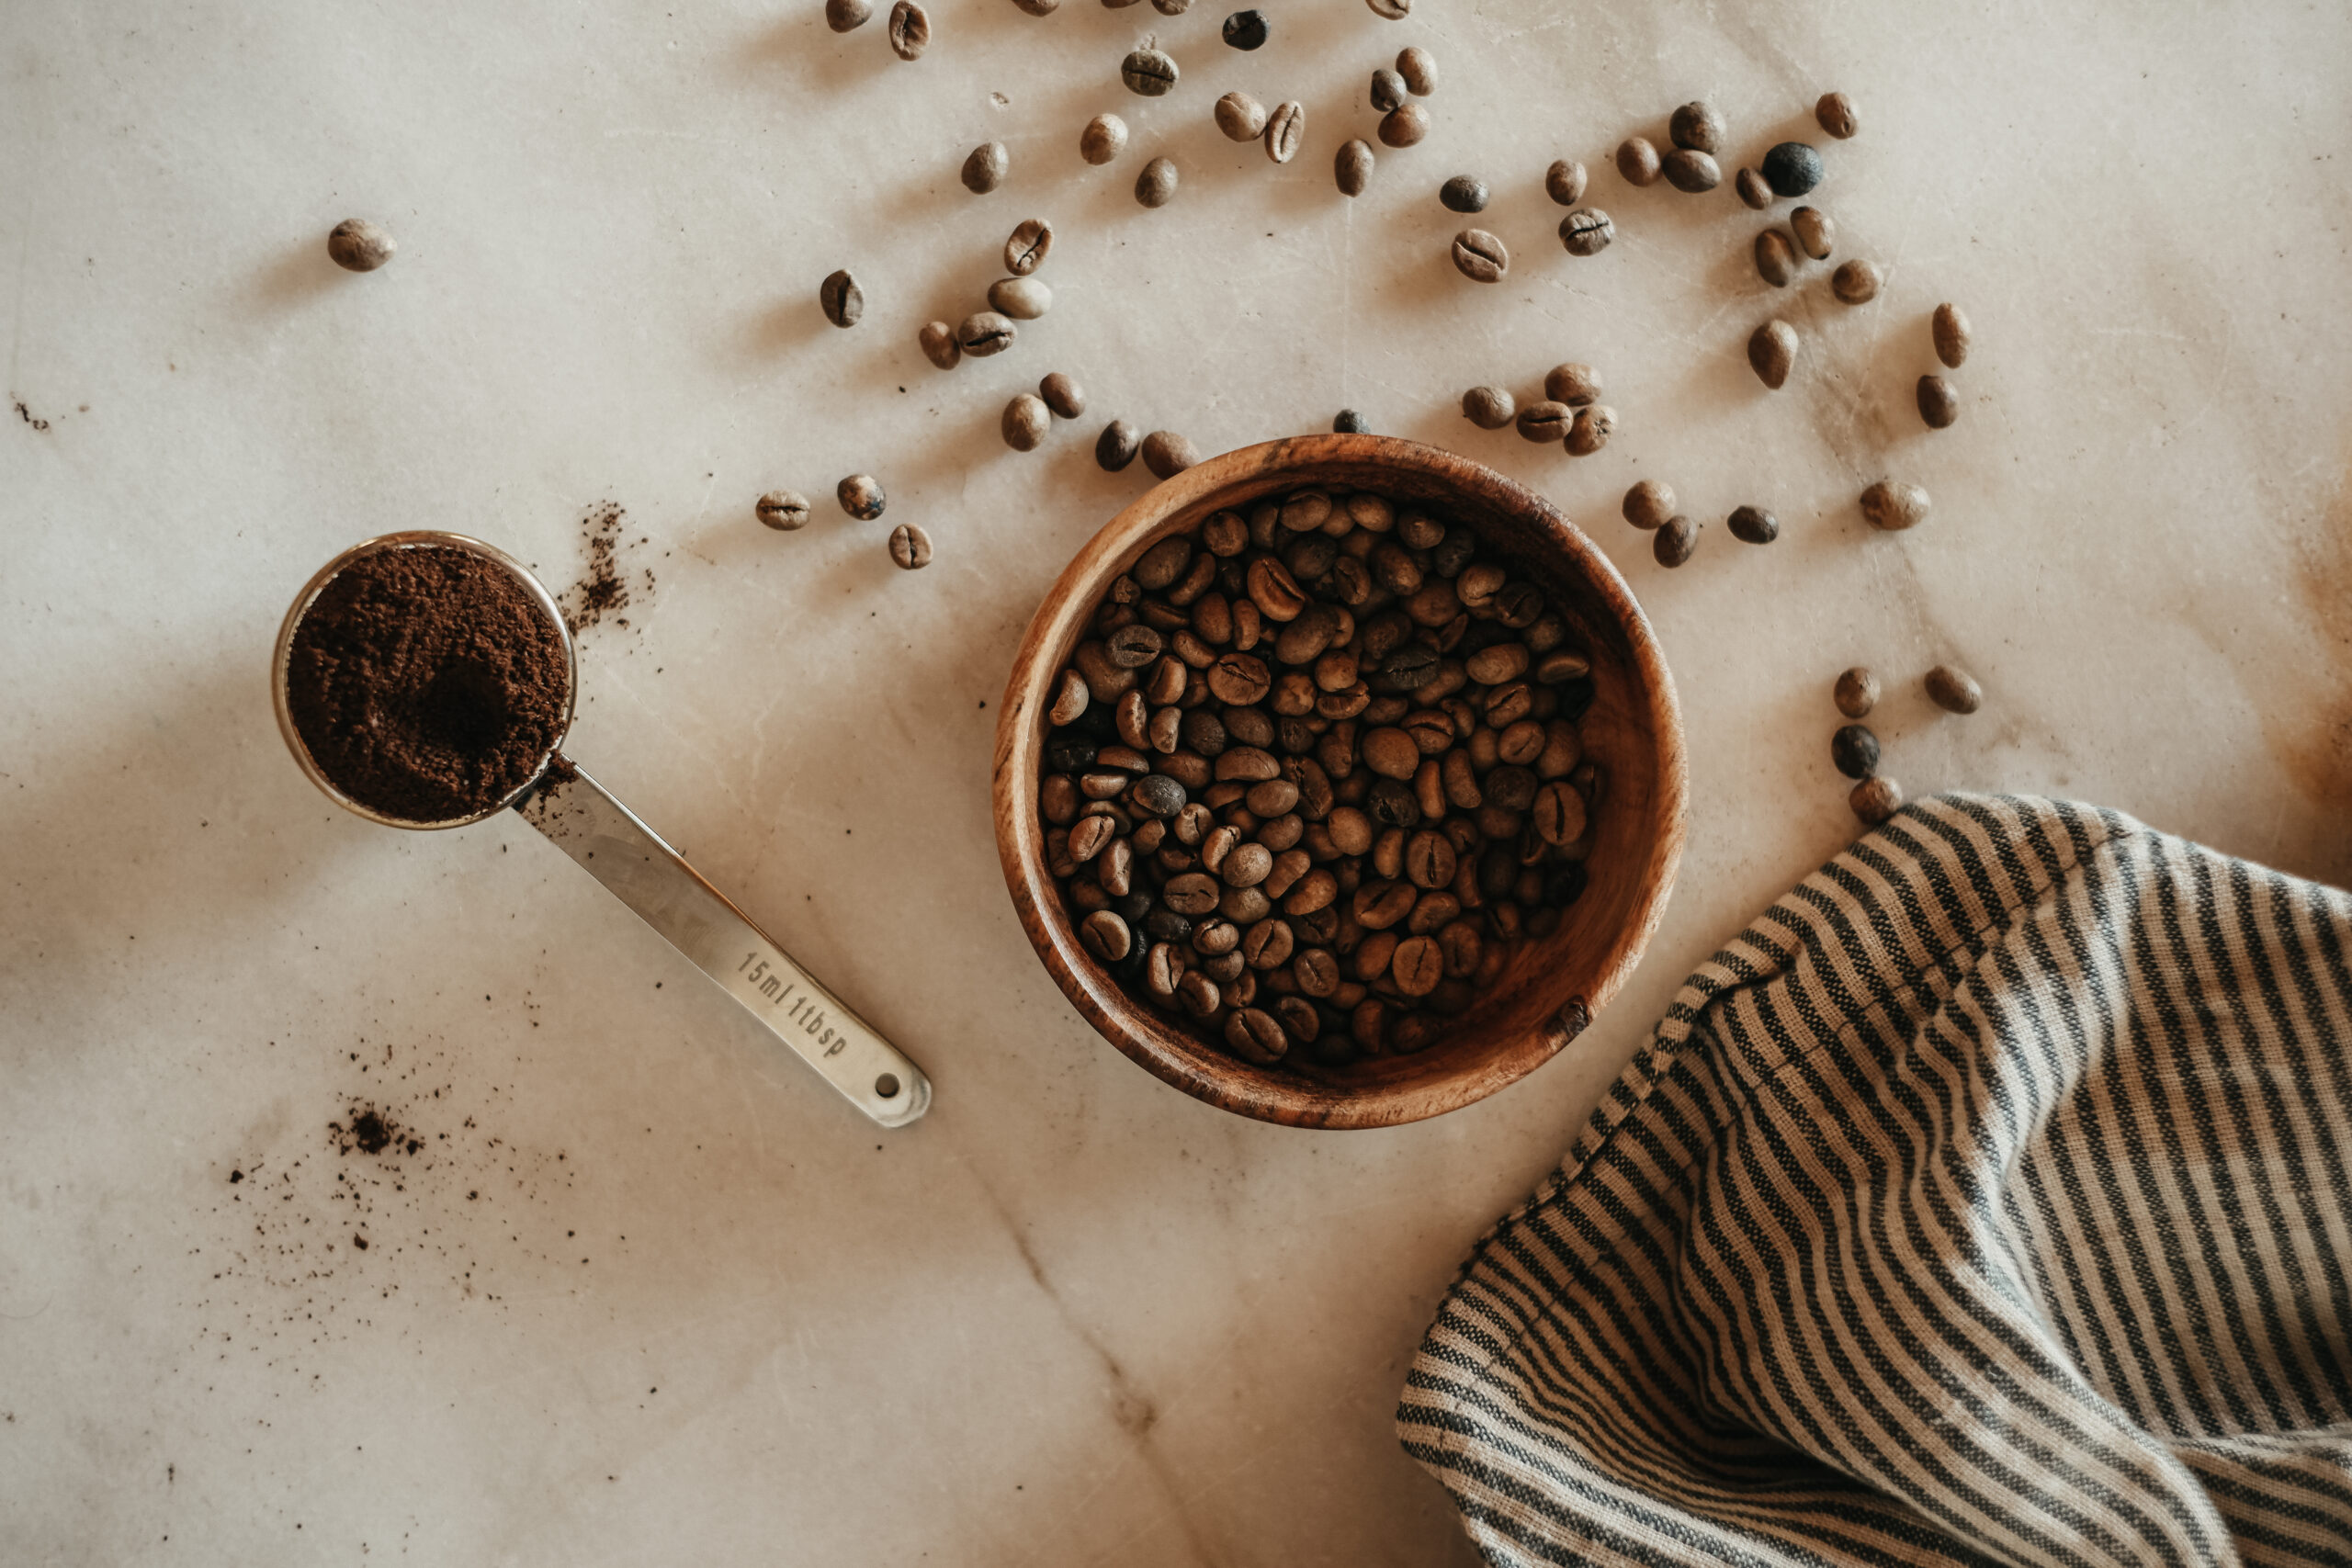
(1675, 542)
(1023, 298)
(1480, 256)
(1591, 429)
(1488, 408)
(1587, 231)
(1856, 692)
(1315, 890)
(1104, 138)
(910, 547)
(1649, 504)
(1573, 383)
(909, 30)
(939, 345)
(1418, 966)
(1070, 698)
(1379, 905)
(1026, 248)
(1816, 234)
(1254, 1036)
(1418, 66)
(1753, 190)
(1239, 679)
(1776, 259)
(984, 333)
(1167, 454)
(1698, 127)
(1214, 936)
(1428, 860)
(1691, 172)
(1156, 187)
(1194, 893)
(1317, 971)
(1855, 282)
(985, 170)
(1545, 420)
(1953, 690)
(1285, 128)
(1772, 352)
(786, 511)
(1891, 506)
(1351, 166)
(1163, 969)
(1404, 126)
(1274, 591)
(1391, 753)
(1241, 117)
(1267, 944)
(861, 496)
(1637, 161)
(1063, 396)
(1198, 995)
(1563, 182)
(356, 245)
(1148, 72)
(1875, 799)
(1939, 405)
(1089, 837)
(1025, 423)
(846, 15)
(1350, 831)
(1106, 936)
(1949, 328)
(1835, 114)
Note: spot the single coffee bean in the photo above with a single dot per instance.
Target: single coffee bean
(1854, 750)
(1069, 701)
(1875, 799)
(1348, 421)
(1591, 430)
(1418, 966)
(1159, 794)
(1404, 126)
(1268, 944)
(984, 333)
(1023, 298)
(1953, 690)
(1387, 89)
(1951, 329)
(1563, 182)
(1891, 507)
(1792, 169)
(1691, 172)
(910, 547)
(1771, 352)
(1488, 408)
(1025, 249)
(1285, 128)
(1418, 66)
(1675, 541)
(1351, 166)
(1836, 113)
(1162, 565)
(1938, 403)
(1106, 935)
(1856, 692)
(909, 30)
(1025, 423)
(984, 169)
(356, 245)
(1253, 1035)
(1547, 421)
(1753, 525)
(1148, 72)
(1167, 454)
(847, 16)
(1391, 10)
(1753, 190)
(1117, 446)
(1246, 29)
(939, 345)
(1479, 256)
(1156, 187)
(1816, 231)
(1697, 126)
(1573, 383)
(1855, 283)
(1038, 7)
(784, 509)
(1649, 504)
(1198, 995)
(1587, 231)
(1637, 161)
(861, 496)
(1064, 396)
(1241, 117)
(1776, 259)
(1104, 138)
(1463, 192)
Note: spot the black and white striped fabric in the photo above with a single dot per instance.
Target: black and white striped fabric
(1989, 1200)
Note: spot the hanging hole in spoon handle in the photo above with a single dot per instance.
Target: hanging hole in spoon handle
(581, 818)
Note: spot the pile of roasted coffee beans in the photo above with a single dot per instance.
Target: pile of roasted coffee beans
(1312, 773)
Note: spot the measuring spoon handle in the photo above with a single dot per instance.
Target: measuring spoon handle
(583, 820)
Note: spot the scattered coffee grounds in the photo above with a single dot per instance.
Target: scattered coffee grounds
(426, 683)
(370, 1131)
(601, 590)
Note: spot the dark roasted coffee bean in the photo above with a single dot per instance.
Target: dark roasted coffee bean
(1856, 282)
(1025, 423)
(1351, 166)
(1133, 646)
(1939, 405)
(1117, 446)
(1637, 161)
(1158, 793)
(1068, 754)
(1587, 231)
(1246, 29)
(1875, 799)
(909, 30)
(1856, 692)
(1753, 190)
(1776, 259)
(1855, 751)
(1149, 72)
(847, 16)
(1063, 396)
(1754, 525)
(1698, 127)
(1953, 690)
(1393, 803)
(1792, 169)
(1949, 328)
(840, 299)
(1156, 187)
(1254, 1035)
(1675, 542)
(1388, 89)
(1892, 505)
(1163, 924)
(1545, 420)
(1773, 351)
(1691, 172)
(1463, 192)
(1106, 935)
(1563, 182)
(1167, 454)
(1404, 126)
(1564, 885)
(1348, 421)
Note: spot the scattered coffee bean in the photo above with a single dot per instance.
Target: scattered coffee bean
(784, 509)
(1167, 454)
(1856, 692)
(1697, 126)
(1419, 67)
(1836, 113)
(1488, 408)
(1348, 421)
(1039, 8)
(909, 30)
(1951, 330)
(1352, 166)
(984, 170)
(1404, 125)
(1891, 507)
(1388, 89)
(1875, 799)
(1753, 525)
(1675, 541)
(1771, 351)
(1463, 192)
(984, 333)
(1156, 187)
(1285, 128)
(1480, 256)
(939, 345)
(1591, 430)
(1171, 7)
(1792, 169)
(861, 496)
(1025, 423)
(1563, 182)
(1938, 403)
(1816, 233)
(1026, 247)
(910, 547)
(1241, 117)
(1573, 383)
(840, 299)
(1753, 190)
(1691, 172)
(1587, 231)
(1064, 396)
(356, 245)
(1547, 421)
(1148, 72)
(1776, 259)
(1117, 446)
(1104, 138)
(1638, 162)
(1953, 690)
(1391, 10)
(1649, 504)
(847, 16)
(1023, 298)
(1854, 750)
(1246, 29)
(1855, 282)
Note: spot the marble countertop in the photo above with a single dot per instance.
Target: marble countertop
(643, 1292)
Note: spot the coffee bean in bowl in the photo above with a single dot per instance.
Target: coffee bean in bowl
(1373, 758)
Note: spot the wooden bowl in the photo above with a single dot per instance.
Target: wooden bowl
(1551, 988)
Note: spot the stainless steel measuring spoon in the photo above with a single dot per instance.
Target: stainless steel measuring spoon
(618, 850)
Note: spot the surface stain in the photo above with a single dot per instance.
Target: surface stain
(2307, 725)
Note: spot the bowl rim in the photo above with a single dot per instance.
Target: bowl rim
(1018, 757)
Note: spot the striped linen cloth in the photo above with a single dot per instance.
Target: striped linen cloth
(1985, 1202)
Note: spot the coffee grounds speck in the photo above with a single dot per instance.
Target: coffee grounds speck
(600, 590)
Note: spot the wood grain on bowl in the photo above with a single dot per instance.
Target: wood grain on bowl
(1552, 986)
